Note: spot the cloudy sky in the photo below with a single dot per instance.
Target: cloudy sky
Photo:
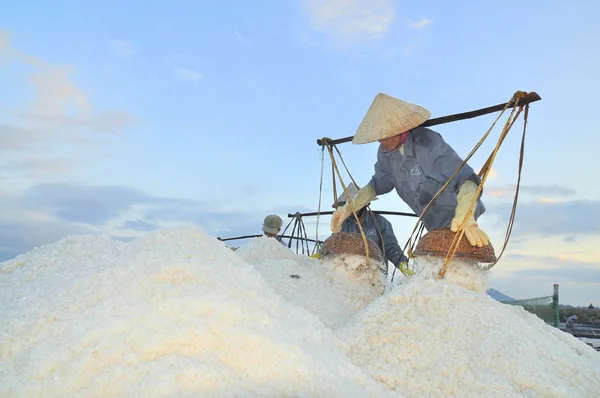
(122, 117)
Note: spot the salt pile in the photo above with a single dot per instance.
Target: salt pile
(325, 288)
(437, 338)
(176, 313)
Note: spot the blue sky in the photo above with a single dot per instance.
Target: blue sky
(121, 118)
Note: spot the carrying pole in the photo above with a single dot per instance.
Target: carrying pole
(260, 235)
(527, 99)
(381, 212)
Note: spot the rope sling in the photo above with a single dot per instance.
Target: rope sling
(335, 170)
(483, 174)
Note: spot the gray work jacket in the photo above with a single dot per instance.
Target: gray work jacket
(391, 250)
(418, 174)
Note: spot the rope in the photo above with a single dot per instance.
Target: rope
(368, 208)
(349, 200)
(345, 167)
(316, 247)
(335, 195)
(286, 228)
(293, 231)
(380, 239)
(484, 172)
(303, 234)
(320, 191)
(514, 206)
(420, 227)
(299, 234)
(437, 195)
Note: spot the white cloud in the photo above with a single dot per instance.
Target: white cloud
(539, 192)
(4, 42)
(55, 93)
(58, 117)
(423, 23)
(44, 164)
(123, 48)
(188, 74)
(370, 18)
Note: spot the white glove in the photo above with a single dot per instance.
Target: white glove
(466, 195)
(364, 196)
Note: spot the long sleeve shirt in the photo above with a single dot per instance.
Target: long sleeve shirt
(418, 173)
(389, 245)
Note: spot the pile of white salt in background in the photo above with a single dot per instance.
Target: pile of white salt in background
(176, 313)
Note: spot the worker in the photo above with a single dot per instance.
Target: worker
(417, 162)
(570, 324)
(271, 227)
(372, 225)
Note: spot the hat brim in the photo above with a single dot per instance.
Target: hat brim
(270, 230)
(388, 117)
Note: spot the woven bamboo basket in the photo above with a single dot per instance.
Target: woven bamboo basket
(350, 243)
(437, 243)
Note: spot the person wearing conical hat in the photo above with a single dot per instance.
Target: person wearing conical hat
(376, 227)
(416, 162)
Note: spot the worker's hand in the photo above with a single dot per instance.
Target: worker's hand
(339, 216)
(474, 234)
(363, 197)
(403, 267)
(316, 255)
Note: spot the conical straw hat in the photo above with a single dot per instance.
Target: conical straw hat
(388, 116)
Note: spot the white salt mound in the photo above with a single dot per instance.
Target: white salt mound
(438, 339)
(325, 288)
(174, 313)
(177, 313)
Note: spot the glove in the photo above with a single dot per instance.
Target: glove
(403, 267)
(466, 195)
(364, 196)
(316, 255)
